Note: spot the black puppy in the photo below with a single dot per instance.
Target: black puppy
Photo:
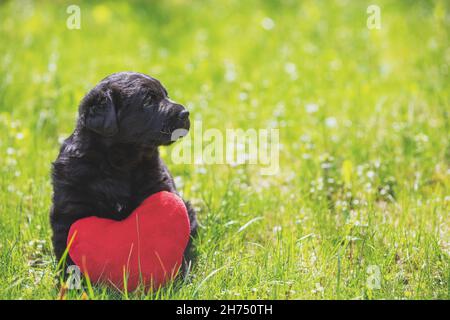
(111, 163)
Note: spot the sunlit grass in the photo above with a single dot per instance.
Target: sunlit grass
(364, 127)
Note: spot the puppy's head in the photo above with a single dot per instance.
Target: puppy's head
(133, 108)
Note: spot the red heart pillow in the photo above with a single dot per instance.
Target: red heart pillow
(147, 247)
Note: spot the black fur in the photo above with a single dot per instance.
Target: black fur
(111, 163)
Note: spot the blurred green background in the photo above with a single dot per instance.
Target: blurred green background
(364, 130)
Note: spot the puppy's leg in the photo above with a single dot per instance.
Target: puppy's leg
(62, 216)
(59, 240)
(189, 252)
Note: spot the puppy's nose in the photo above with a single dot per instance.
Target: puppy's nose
(183, 115)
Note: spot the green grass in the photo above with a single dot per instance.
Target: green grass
(363, 181)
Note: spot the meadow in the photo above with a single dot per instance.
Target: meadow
(360, 206)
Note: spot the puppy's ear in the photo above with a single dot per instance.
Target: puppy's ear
(102, 116)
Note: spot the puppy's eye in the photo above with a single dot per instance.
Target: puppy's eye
(149, 101)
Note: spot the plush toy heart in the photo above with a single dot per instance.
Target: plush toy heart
(147, 247)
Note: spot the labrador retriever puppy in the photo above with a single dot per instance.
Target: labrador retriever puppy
(111, 163)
